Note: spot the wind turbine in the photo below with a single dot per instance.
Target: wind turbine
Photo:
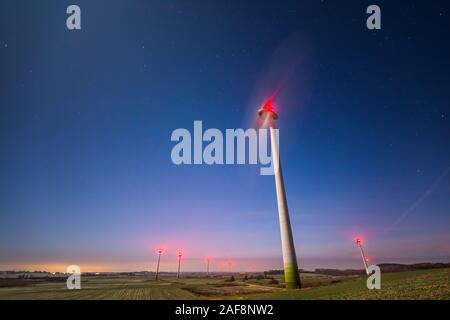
(268, 116)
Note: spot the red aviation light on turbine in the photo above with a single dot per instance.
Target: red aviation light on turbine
(160, 250)
(358, 241)
(268, 105)
(268, 108)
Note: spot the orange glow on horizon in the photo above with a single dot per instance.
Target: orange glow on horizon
(53, 267)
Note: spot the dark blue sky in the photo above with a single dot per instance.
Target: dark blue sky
(86, 117)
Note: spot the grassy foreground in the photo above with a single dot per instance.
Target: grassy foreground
(423, 284)
(412, 285)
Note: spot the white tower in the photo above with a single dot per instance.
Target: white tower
(268, 116)
(363, 256)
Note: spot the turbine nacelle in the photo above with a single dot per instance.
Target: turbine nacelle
(268, 110)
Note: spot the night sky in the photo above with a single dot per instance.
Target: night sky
(86, 116)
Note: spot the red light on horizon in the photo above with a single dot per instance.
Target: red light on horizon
(231, 264)
(159, 247)
(226, 264)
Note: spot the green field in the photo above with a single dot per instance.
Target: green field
(423, 284)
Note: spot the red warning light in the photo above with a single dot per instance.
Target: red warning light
(358, 241)
(268, 105)
(160, 248)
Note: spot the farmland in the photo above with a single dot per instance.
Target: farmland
(422, 284)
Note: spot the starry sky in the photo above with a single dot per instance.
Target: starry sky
(86, 116)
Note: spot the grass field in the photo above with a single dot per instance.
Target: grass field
(423, 284)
